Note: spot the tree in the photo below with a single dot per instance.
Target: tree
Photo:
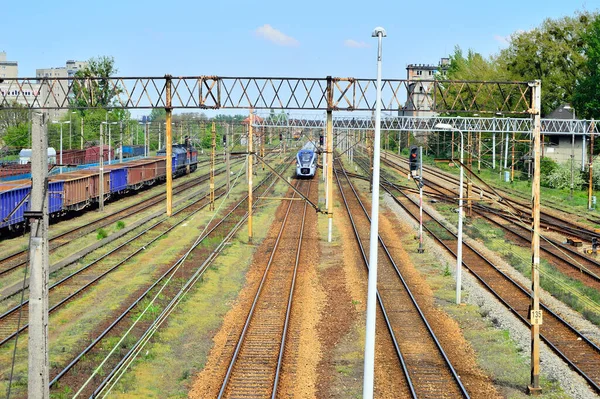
(97, 90)
(17, 136)
(552, 53)
(17, 115)
(587, 93)
(473, 67)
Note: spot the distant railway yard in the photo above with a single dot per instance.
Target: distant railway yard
(197, 305)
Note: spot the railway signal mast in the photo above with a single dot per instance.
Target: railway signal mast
(415, 160)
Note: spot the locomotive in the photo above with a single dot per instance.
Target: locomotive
(306, 161)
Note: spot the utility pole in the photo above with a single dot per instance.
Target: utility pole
(81, 132)
(250, 160)
(494, 150)
(169, 146)
(101, 175)
(512, 166)
(535, 315)
(212, 167)
(591, 164)
(121, 142)
(329, 127)
(479, 153)
(38, 374)
(147, 138)
(227, 158)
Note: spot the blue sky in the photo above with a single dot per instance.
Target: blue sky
(264, 38)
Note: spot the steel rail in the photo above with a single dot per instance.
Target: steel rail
(62, 239)
(105, 220)
(6, 315)
(164, 276)
(290, 299)
(242, 338)
(522, 209)
(383, 246)
(551, 318)
(554, 246)
(379, 299)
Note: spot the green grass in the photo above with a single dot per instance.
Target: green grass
(496, 353)
(101, 234)
(564, 288)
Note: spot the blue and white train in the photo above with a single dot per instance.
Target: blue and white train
(306, 161)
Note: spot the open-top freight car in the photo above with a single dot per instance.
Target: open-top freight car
(14, 201)
(77, 190)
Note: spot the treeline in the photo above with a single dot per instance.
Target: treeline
(563, 53)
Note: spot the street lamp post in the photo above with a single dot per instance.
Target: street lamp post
(572, 148)
(445, 126)
(60, 159)
(369, 365)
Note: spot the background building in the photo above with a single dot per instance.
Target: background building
(8, 69)
(419, 89)
(68, 71)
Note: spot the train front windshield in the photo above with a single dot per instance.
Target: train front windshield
(305, 157)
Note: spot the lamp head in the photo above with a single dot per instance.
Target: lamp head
(377, 31)
(444, 126)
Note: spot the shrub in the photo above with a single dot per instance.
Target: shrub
(101, 234)
(120, 225)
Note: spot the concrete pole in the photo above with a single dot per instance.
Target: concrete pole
(512, 166)
(493, 150)
(212, 167)
(572, 160)
(420, 182)
(583, 152)
(81, 132)
(109, 144)
(460, 225)
(479, 153)
(591, 165)
(169, 147)
(38, 374)
(121, 142)
(535, 316)
(369, 363)
(228, 158)
(329, 186)
(101, 173)
(506, 148)
(61, 144)
(250, 160)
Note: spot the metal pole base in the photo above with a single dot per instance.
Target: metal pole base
(534, 391)
(420, 250)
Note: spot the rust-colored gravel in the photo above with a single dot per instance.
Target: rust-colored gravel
(324, 351)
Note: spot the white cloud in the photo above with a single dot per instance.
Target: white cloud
(271, 34)
(503, 40)
(355, 44)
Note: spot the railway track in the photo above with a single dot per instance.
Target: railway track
(517, 208)
(132, 331)
(256, 363)
(77, 283)
(17, 260)
(563, 339)
(427, 370)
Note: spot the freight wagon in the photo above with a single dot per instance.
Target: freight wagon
(74, 191)
(14, 201)
(71, 157)
(92, 154)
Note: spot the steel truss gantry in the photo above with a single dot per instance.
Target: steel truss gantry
(329, 94)
(427, 124)
(216, 92)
